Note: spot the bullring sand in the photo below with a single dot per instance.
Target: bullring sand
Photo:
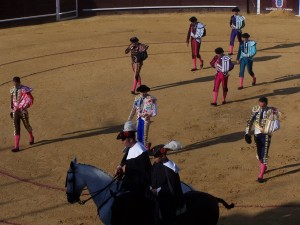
(82, 78)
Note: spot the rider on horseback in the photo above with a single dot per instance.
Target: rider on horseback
(165, 184)
(133, 201)
(135, 165)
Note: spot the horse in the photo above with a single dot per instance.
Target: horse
(200, 208)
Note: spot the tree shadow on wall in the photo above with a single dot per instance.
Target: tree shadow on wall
(285, 214)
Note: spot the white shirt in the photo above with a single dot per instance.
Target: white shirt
(136, 151)
(170, 164)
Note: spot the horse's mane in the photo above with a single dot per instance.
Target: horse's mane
(94, 167)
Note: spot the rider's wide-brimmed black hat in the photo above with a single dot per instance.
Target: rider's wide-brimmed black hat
(158, 151)
(143, 88)
(126, 134)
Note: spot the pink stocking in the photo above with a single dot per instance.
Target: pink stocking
(31, 138)
(241, 81)
(215, 97)
(195, 63)
(17, 141)
(263, 168)
(139, 81)
(134, 84)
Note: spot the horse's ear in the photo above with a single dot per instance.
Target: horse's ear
(73, 162)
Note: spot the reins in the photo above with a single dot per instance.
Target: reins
(112, 195)
(99, 192)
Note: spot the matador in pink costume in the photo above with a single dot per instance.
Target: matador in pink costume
(195, 33)
(21, 100)
(135, 48)
(222, 63)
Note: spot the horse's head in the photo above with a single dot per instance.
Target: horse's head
(74, 183)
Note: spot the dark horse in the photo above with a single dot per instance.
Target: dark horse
(126, 209)
(200, 209)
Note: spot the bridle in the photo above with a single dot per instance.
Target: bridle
(74, 196)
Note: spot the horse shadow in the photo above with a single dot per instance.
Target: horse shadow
(280, 46)
(80, 134)
(227, 138)
(181, 83)
(287, 214)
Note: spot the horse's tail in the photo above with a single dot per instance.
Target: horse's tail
(225, 204)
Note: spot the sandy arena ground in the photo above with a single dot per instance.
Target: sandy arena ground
(82, 79)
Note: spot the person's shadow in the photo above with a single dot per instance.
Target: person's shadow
(285, 173)
(276, 92)
(280, 46)
(266, 58)
(227, 138)
(282, 79)
(185, 82)
(80, 134)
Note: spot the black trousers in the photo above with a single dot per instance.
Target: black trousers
(17, 117)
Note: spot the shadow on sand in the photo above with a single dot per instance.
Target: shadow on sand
(227, 138)
(181, 83)
(284, 173)
(266, 58)
(286, 214)
(80, 134)
(276, 92)
(281, 46)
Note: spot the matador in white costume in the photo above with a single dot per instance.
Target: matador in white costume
(265, 120)
(145, 107)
